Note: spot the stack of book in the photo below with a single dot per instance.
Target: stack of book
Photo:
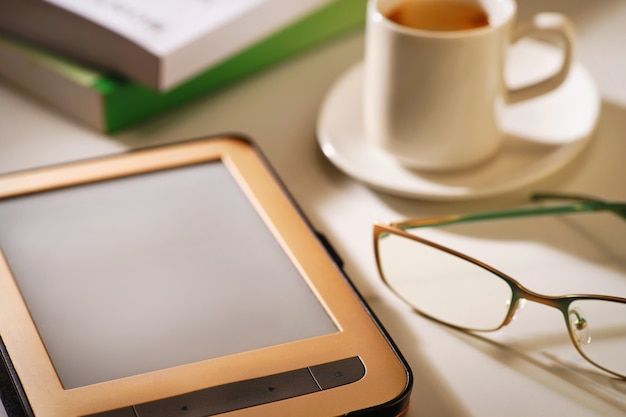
(114, 63)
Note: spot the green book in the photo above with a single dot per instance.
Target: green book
(110, 103)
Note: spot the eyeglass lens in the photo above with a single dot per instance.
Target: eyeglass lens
(455, 291)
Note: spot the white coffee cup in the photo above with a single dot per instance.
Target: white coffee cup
(431, 98)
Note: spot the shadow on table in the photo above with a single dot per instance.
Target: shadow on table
(592, 382)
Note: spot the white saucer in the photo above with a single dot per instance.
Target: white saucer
(542, 134)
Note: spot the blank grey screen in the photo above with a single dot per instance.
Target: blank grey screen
(143, 273)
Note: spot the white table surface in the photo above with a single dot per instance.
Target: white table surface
(455, 375)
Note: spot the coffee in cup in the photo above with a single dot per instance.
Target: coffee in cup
(438, 15)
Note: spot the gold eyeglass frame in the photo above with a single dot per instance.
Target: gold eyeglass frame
(578, 204)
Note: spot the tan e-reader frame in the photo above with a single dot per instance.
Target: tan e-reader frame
(180, 280)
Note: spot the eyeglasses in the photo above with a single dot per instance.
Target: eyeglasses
(461, 292)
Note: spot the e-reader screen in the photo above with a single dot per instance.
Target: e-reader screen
(141, 273)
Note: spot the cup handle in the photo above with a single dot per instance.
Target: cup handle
(554, 25)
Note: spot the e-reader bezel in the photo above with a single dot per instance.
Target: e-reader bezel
(387, 379)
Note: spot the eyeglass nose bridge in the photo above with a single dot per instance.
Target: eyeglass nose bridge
(576, 322)
(522, 294)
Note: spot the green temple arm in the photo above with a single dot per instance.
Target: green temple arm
(578, 204)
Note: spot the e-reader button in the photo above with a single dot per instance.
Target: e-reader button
(233, 396)
(120, 412)
(337, 373)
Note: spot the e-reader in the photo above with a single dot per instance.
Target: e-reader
(180, 281)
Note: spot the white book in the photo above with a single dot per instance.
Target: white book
(158, 43)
